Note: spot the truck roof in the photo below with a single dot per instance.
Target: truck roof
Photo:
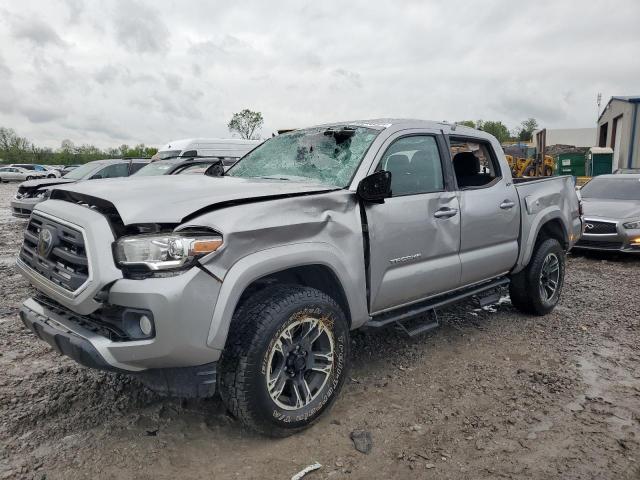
(383, 123)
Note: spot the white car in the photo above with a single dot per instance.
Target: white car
(19, 174)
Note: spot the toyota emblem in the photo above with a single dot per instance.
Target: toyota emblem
(45, 242)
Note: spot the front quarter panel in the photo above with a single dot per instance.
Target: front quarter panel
(266, 237)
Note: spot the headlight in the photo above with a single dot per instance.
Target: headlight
(165, 252)
(632, 225)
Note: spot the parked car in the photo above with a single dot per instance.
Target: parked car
(230, 150)
(625, 171)
(12, 173)
(251, 281)
(33, 192)
(178, 166)
(52, 171)
(47, 170)
(611, 205)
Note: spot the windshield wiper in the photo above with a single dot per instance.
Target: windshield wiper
(276, 178)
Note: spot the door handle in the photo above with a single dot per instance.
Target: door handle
(507, 204)
(446, 213)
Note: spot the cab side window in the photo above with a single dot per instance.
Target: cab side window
(415, 165)
(474, 164)
(135, 166)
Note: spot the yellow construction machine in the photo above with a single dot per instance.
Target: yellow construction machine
(531, 167)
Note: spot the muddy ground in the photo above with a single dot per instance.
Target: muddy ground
(491, 394)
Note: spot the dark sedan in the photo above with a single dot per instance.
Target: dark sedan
(180, 166)
(611, 205)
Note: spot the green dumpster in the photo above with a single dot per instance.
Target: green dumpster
(599, 161)
(570, 164)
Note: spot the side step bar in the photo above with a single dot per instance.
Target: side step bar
(412, 312)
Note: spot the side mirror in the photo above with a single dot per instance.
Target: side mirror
(376, 187)
(215, 170)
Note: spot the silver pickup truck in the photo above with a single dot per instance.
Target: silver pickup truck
(249, 283)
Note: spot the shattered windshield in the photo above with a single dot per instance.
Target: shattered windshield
(320, 155)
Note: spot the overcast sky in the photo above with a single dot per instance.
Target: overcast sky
(112, 72)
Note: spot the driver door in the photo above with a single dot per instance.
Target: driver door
(414, 236)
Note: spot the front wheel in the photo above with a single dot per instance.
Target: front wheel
(537, 288)
(29, 177)
(285, 359)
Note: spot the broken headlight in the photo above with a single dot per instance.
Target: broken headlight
(172, 251)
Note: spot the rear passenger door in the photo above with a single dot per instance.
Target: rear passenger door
(414, 235)
(490, 217)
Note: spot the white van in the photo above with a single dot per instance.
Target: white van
(228, 149)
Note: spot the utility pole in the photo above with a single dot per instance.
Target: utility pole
(598, 102)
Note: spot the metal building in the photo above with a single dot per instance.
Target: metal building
(619, 129)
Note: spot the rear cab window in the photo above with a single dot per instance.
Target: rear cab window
(475, 164)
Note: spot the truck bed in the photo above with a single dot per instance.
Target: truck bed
(541, 200)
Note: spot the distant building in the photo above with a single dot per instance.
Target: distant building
(577, 137)
(619, 128)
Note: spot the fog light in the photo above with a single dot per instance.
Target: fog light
(145, 325)
(138, 323)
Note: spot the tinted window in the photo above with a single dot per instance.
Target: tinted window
(155, 168)
(135, 166)
(612, 188)
(113, 171)
(415, 165)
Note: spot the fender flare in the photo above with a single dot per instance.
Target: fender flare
(526, 250)
(257, 265)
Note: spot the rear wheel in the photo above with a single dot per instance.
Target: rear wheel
(285, 359)
(537, 288)
(29, 177)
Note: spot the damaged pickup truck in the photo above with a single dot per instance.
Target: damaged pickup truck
(249, 283)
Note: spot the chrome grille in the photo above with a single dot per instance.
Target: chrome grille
(55, 251)
(593, 227)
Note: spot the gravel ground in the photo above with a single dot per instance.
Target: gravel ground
(491, 394)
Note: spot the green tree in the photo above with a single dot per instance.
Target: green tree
(527, 128)
(467, 123)
(247, 123)
(495, 128)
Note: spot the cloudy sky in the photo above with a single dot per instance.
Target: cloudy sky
(130, 71)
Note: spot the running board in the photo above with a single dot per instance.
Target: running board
(414, 311)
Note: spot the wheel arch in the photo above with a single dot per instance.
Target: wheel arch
(316, 265)
(548, 225)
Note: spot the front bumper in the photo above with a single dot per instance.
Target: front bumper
(22, 207)
(181, 308)
(192, 382)
(52, 329)
(623, 240)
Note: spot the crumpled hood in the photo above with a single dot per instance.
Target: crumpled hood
(613, 209)
(171, 198)
(47, 182)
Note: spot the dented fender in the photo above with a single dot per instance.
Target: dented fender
(349, 272)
